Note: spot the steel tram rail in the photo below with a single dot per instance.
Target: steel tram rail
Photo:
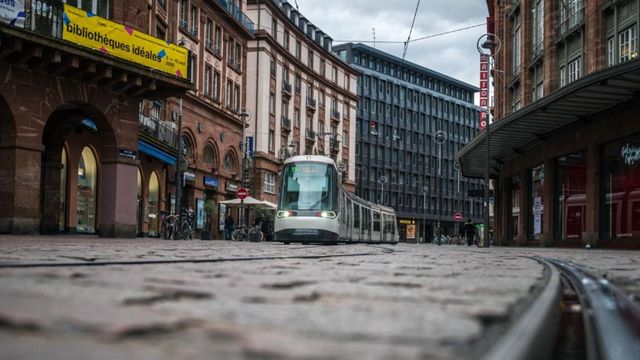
(609, 321)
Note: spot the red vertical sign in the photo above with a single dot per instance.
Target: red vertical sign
(484, 89)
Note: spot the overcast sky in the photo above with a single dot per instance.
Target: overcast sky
(452, 54)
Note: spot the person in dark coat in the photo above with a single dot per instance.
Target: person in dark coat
(469, 231)
(228, 227)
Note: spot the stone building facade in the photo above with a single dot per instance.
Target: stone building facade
(301, 96)
(564, 144)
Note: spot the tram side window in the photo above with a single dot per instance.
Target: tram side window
(376, 221)
(365, 222)
(356, 216)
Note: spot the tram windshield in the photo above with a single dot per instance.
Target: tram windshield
(308, 186)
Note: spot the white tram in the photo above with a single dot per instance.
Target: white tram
(314, 207)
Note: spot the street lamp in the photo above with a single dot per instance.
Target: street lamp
(488, 45)
(178, 173)
(439, 137)
(382, 179)
(425, 188)
(244, 115)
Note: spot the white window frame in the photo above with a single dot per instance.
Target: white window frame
(269, 182)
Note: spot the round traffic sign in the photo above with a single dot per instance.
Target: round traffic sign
(242, 193)
(457, 216)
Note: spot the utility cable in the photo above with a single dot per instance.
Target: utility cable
(406, 43)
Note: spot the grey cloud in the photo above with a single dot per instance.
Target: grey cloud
(454, 54)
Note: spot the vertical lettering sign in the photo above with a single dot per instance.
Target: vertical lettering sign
(484, 89)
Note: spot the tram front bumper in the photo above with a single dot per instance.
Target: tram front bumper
(305, 235)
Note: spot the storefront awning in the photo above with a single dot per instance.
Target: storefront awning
(582, 100)
(147, 148)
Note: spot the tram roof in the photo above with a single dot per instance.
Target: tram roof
(369, 204)
(314, 158)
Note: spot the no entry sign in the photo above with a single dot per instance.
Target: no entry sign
(457, 216)
(242, 193)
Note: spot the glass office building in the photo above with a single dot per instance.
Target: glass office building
(399, 163)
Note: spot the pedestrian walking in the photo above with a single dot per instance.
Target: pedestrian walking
(228, 227)
(469, 231)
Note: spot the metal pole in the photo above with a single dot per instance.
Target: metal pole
(424, 214)
(179, 179)
(486, 185)
(439, 191)
(245, 181)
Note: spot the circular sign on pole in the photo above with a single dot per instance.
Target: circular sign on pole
(457, 216)
(242, 193)
(440, 137)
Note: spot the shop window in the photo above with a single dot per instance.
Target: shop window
(152, 204)
(571, 196)
(87, 187)
(138, 204)
(620, 200)
(537, 202)
(516, 188)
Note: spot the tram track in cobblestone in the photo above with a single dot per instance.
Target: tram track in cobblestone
(94, 263)
(576, 315)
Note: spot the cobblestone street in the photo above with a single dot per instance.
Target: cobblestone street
(268, 300)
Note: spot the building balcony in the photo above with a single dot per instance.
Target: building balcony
(310, 135)
(237, 14)
(38, 44)
(571, 22)
(285, 123)
(311, 103)
(286, 89)
(335, 115)
(158, 131)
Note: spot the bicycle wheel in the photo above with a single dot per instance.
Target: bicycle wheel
(255, 235)
(238, 235)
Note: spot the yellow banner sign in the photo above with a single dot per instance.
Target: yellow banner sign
(88, 30)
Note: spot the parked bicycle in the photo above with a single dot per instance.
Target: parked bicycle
(245, 233)
(186, 224)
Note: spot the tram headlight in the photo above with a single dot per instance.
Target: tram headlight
(328, 214)
(283, 214)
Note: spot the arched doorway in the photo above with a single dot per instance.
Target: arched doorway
(87, 192)
(139, 203)
(153, 203)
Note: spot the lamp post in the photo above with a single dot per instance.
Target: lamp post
(425, 188)
(439, 137)
(178, 174)
(488, 45)
(244, 115)
(382, 179)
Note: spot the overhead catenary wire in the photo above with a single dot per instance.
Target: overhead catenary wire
(406, 44)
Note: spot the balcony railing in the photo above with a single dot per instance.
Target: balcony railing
(159, 130)
(570, 19)
(311, 103)
(235, 11)
(286, 88)
(285, 123)
(46, 17)
(335, 115)
(310, 135)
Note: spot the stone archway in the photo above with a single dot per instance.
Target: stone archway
(75, 127)
(7, 167)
